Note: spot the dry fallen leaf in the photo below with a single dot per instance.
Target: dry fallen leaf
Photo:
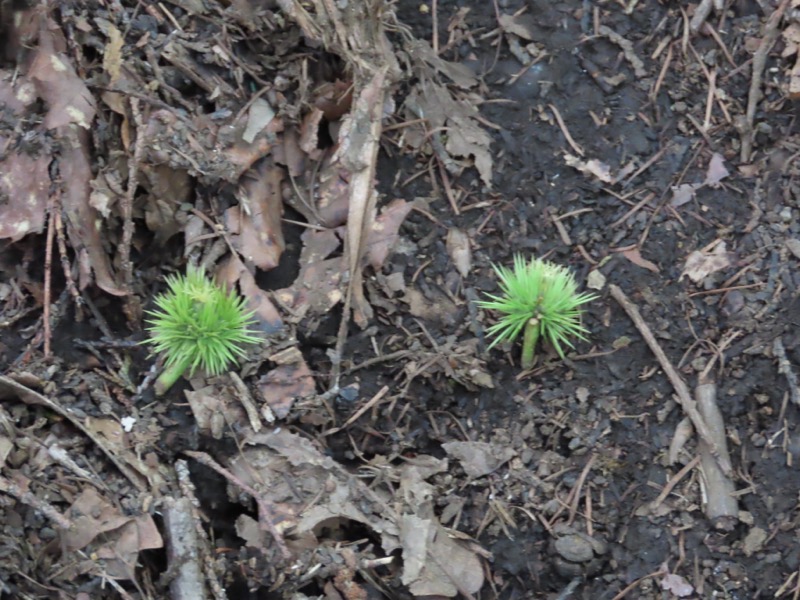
(591, 167)
(255, 224)
(459, 250)
(384, 232)
(458, 116)
(434, 562)
(24, 186)
(284, 384)
(701, 263)
(67, 98)
(683, 193)
(517, 25)
(113, 536)
(677, 585)
(716, 171)
(479, 458)
(636, 258)
(259, 116)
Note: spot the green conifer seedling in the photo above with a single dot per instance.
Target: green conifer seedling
(541, 300)
(198, 325)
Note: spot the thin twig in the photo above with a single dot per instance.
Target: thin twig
(681, 389)
(66, 265)
(48, 273)
(126, 205)
(565, 131)
(755, 94)
(785, 369)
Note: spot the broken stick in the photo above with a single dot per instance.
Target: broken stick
(721, 508)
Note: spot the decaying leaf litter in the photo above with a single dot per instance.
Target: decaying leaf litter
(371, 446)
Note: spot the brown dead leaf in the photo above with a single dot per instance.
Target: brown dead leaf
(24, 188)
(458, 247)
(83, 224)
(120, 555)
(119, 538)
(334, 99)
(383, 233)
(431, 305)
(91, 515)
(458, 73)
(112, 54)
(435, 564)
(701, 263)
(716, 170)
(593, 167)
(289, 154)
(67, 98)
(316, 290)
(168, 189)
(333, 196)
(233, 271)
(307, 488)
(636, 258)
(479, 458)
(518, 25)
(794, 80)
(683, 193)
(319, 244)
(214, 412)
(457, 116)
(284, 384)
(309, 128)
(240, 153)
(255, 224)
(676, 585)
(110, 430)
(259, 117)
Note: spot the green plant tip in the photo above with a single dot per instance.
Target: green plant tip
(541, 299)
(198, 325)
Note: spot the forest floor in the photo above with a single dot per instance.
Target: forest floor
(355, 170)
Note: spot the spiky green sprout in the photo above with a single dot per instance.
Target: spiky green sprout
(198, 325)
(541, 300)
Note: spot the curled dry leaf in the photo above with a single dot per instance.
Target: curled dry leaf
(458, 248)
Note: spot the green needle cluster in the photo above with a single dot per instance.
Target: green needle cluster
(540, 299)
(198, 325)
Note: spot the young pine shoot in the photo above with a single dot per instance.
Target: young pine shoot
(539, 299)
(198, 325)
